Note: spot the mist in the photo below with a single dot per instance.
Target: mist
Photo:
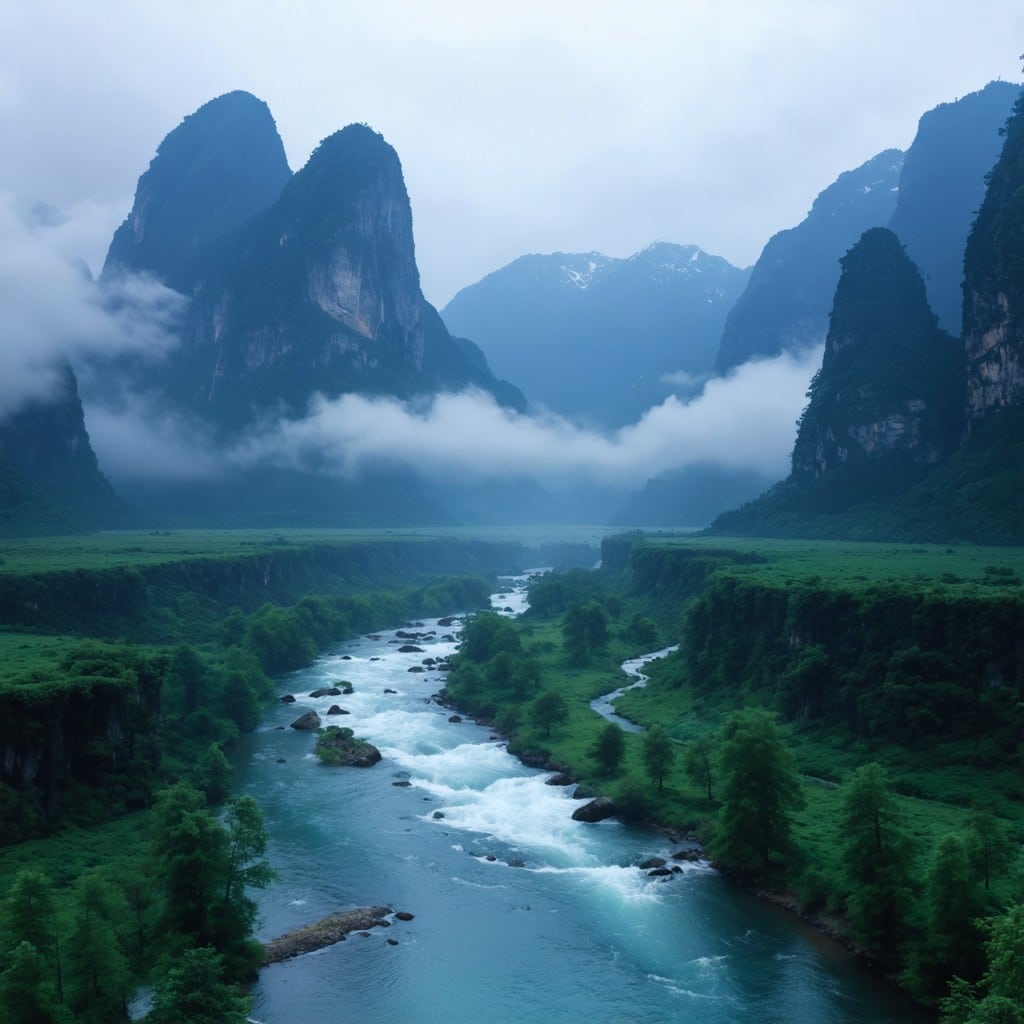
(744, 421)
(51, 310)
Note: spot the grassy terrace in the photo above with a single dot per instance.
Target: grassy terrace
(135, 548)
(861, 564)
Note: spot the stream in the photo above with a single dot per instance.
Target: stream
(520, 914)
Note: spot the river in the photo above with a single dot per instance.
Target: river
(520, 913)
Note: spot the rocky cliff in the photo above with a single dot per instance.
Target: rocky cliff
(50, 481)
(221, 166)
(299, 284)
(890, 379)
(994, 287)
(942, 186)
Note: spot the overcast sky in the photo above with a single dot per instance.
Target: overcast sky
(522, 126)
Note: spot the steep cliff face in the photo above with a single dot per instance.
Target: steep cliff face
(307, 288)
(221, 166)
(891, 380)
(994, 286)
(50, 481)
(785, 306)
(942, 186)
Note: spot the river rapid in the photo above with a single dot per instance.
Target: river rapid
(520, 913)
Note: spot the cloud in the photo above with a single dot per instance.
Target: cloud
(135, 438)
(742, 421)
(51, 310)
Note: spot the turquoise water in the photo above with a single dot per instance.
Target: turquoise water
(521, 914)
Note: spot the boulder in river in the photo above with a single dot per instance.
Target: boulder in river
(335, 710)
(410, 649)
(597, 810)
(310, 721)
(287, 699)
(323, 933)
(326, 691)
(652, 862)
(337, 745)
(561, 779)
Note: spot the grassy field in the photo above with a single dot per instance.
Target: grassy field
(136, 548)
(862, 564)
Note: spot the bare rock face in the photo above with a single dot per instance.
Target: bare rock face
(994, 286)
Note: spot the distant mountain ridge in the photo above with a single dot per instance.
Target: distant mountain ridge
(598, 338)
(942, 186)
(785, 306)
(928, 196)
(911, 434)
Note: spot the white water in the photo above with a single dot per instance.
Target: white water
(521, 913)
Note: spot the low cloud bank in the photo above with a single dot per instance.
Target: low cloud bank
(744, 421)
(51, 309)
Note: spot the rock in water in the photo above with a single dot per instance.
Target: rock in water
(324, 933)
(597, 810)
(310, 721)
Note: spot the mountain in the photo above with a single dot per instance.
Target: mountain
(905, 487)
(643, 327)
(297, 285)
(994, 286)
(315, 291)
(50, 482)
(220, 167)
(786, 304)
(942, 186)
(891, 381)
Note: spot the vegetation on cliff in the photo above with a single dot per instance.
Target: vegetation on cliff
(843, 723)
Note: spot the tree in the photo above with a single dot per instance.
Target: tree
(98, 973)
(699, 762)
(186, 684)
(197, 992)
(243, 688)
(247, 844)
(1005, 952)
(658, 754)
(190, 850)
(30, 915)
(549, 710)
(878, 862)
(609, 749)
(203, 871)
(988, 845)
(759, 790)
(642, 631)
(584, 630)
(525, 678)
(213, 775)
(951, 942)
(27, 994)
(1003, 982)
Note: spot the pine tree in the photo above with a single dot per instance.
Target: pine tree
(759, 790)
(878, 863)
